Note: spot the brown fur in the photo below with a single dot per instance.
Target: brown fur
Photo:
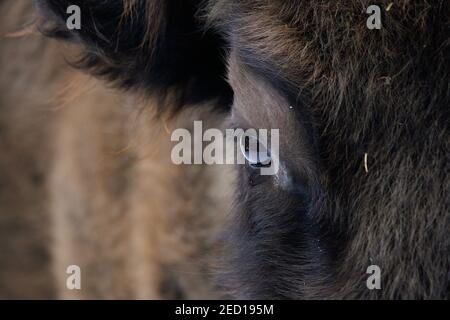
(356, 91)
(87, 181)
(142, 228)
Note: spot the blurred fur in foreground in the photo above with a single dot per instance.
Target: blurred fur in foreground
(141, 227)
(86, 179)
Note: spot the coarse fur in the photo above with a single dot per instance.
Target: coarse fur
(337, 91)
(384, 93)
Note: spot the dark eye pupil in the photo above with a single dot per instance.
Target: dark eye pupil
(261, 165)
(255, 152)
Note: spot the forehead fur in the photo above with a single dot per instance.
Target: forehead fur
(309, 43)
(383, 93)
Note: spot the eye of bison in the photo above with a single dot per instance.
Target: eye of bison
(255, 151)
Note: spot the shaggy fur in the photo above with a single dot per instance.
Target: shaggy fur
(147, 44)
(336, 90)
(384, 93)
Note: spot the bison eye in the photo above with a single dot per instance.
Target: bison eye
(255, 151)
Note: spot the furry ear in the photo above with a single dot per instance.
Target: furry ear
(151, 45)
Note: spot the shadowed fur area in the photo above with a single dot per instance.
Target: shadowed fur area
(384, 93)
(142, 44)
(110, 200)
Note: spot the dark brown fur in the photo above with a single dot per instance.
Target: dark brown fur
(355, 91)
(337, 91)
(86, 180)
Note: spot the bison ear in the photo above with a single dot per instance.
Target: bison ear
(155, 46)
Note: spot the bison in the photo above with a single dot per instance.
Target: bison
(363, 184)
